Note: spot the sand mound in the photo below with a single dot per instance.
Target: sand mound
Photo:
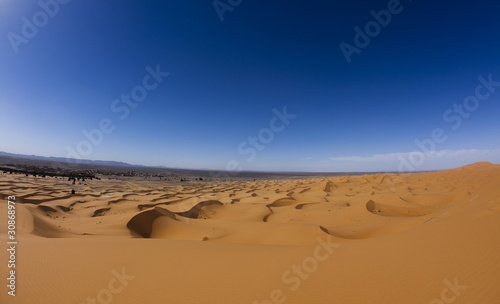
(142, 224)
(481, 166)
(387, 210)
(282, 202)
(194, 212)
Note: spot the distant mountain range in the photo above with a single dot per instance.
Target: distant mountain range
(85, 164)
(9, 157)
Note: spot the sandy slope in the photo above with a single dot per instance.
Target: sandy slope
(383, 238)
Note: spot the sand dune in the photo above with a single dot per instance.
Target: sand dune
(397, 238)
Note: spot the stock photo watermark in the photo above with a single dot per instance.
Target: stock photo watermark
(455, 116)
(121, 106)
(11, 245)
(255, 144)
(31, 26)
(450, 293)
(115, 285)
(223, 6)
(296, 274)
(373, 28)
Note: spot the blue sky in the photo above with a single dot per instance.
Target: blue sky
(226, 77)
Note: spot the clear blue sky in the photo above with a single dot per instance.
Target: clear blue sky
(226, 77)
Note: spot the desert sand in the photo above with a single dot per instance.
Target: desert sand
(382, 238)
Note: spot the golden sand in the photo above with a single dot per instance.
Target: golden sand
(383, 238)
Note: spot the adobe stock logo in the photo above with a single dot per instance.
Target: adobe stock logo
(296, 274)
(115, 286)
(30, 27)
(223, 6)
(454, 115)
(121, 106)
(450, 293)
(371, 30)
(255, 144)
